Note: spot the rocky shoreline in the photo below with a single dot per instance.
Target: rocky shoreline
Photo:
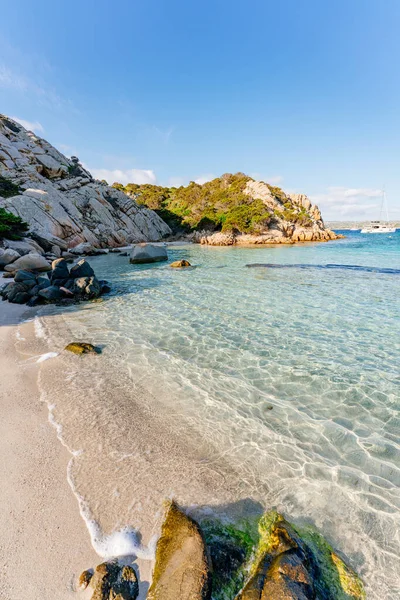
(265, 559)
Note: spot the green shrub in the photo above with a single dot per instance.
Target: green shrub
(11, 227)
(8, 188)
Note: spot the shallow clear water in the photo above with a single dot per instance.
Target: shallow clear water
(223, 383)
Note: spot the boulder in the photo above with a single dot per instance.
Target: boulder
(83, 248)
(25, 246)
(179, 264)
(282, 567)
(8, 256)
(51, 293)
(23, 276)
(81, 269)
(59, 269)
(182, 568)
(30, 262)
(148, 253)
(86, 288)
(111, 581)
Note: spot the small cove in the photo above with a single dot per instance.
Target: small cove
(225, 386)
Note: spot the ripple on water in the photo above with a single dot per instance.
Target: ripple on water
(279, 385)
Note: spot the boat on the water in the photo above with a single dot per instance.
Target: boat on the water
(380, 226)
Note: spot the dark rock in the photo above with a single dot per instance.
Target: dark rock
(81, 269)
(59, 282)
(110, 581)
(105, 288)
(34, 301)
(11, 291)
(87, 287)
(22, 275)
(59, 269)
(182, 569)
(51, 293)
(148, 253)
(19, 298)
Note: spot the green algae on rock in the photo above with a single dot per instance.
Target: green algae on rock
(297, 562)
(182, 568)
(82, 348)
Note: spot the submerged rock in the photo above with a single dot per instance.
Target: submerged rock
(82, 348)
(148, 253)
(178, 264)
(182, 569)
(110, 581)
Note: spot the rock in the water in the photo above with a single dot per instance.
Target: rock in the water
(182, 569)
(82, 348)
(178, 264)
(148, 253)
(8, 256)
(81, 269)
(293, 564)
(110, 581)
(29, 262)
(86, 288)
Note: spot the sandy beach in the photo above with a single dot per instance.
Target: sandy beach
(44, 544)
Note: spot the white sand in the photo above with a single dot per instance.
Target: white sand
(44, 544)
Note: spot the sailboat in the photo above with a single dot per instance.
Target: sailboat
(380, 226)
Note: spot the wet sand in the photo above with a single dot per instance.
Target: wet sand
(44, 543)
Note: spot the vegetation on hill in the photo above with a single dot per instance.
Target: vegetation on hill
(218, 205)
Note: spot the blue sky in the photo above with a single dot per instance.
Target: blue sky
(301, 93)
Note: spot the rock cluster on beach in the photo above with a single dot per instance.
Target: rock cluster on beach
(59, 284)
(265, 560)
(60, 200)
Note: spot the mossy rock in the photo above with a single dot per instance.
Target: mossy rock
(182, 568)
(82, 348)
(297, 562)
(179, 264)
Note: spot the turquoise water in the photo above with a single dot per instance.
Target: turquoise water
(288, 378)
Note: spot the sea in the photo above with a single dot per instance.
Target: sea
(261, 377)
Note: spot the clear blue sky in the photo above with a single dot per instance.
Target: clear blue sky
(304, 93)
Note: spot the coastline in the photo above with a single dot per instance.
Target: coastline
(45, 544)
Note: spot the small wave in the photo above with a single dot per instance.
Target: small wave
(328, 266)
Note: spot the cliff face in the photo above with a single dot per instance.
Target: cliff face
(61, 201)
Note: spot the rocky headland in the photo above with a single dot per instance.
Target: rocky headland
(64, 206)
(234, 209)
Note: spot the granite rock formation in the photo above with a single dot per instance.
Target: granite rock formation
(61, 202)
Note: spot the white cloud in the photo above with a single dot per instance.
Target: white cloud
(204, 178)
(124, 177)
(349, 203)
(30, 125)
